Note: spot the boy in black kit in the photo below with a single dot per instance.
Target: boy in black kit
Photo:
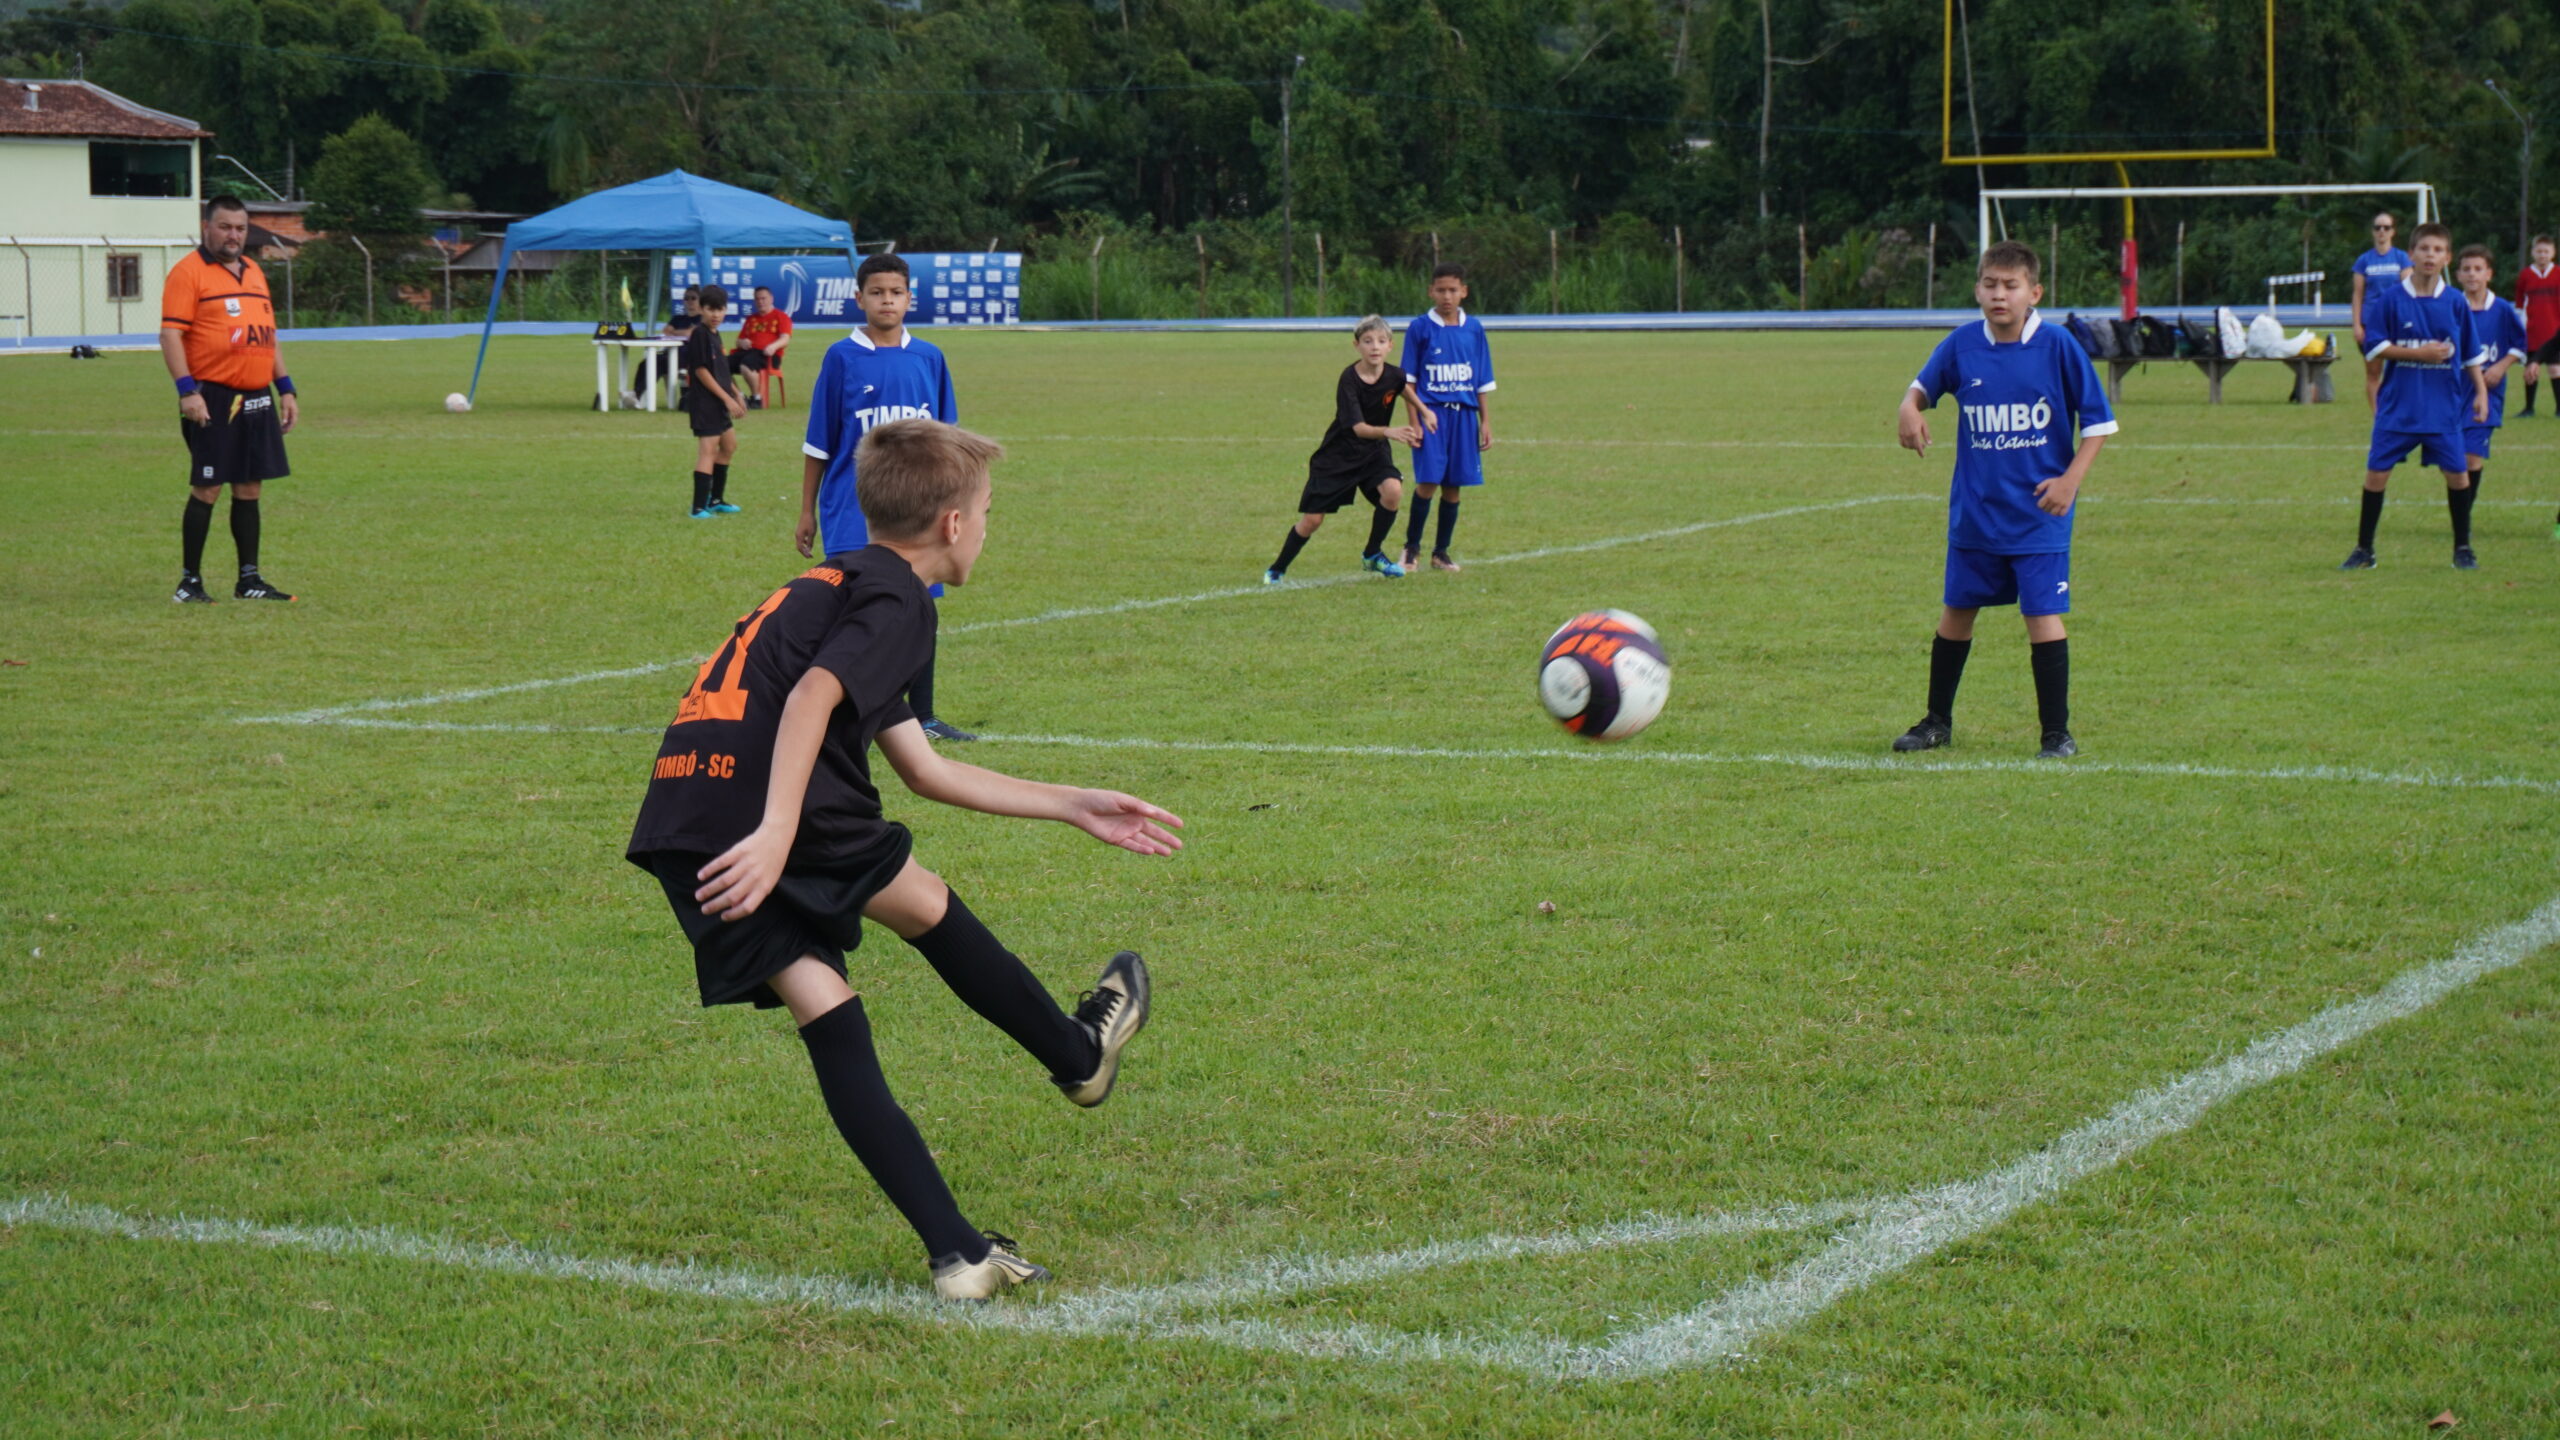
(1353, 456)
(711, 403)
(764, 829)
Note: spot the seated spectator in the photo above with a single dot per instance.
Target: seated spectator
(679, 325)
(762, 338)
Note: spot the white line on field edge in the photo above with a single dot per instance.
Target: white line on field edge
(1875, 1240)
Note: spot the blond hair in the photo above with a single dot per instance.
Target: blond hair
(1372, 322)
(909, 473)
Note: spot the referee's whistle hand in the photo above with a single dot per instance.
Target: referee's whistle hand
(290, 409)
(191, 409)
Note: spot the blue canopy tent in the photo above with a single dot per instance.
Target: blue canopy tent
(674, 211)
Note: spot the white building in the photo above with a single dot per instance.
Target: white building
(99, 201)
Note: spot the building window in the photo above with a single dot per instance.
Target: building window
(120, 167)
(124, 277)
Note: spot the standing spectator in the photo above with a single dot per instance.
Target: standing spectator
(2538, 296)
(762, 337)
(218, 336)
(2376, 270)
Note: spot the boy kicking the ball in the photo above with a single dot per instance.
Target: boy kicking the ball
(2023, 390)
(1353, 458)
(763, 827)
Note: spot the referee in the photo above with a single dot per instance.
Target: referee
(218, 335)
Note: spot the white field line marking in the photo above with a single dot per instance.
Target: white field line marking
(1077, 612)
(1930, 1220)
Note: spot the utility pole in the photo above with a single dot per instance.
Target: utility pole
(1288, 199)
(2524, 177)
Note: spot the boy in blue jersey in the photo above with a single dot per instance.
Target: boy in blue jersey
(2022, 389)
(2432, 390)
(2501, 328)
(877, 374)
(1446, 355)
(2373, 269)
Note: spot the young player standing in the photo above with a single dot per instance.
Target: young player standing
(2431, 391)
(2375, 268)
(218, 338)
(2538, 296)
(764, 829)
(2502, 344)
(1353, 458)
(877, 374)
(2022, 389)
(710, 403)
(1446, 354)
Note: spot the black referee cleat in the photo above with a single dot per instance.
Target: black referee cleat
(2358, 559)
(191, 591)
(1929, 734)
(2058, 745)
(1114, 1011)
(937, 728)
(254, 586)
(2464, 559)
(957, 1279)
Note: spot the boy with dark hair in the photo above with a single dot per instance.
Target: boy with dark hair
(710, 404)
(2501, 331)
(764, 829)
(2538, 296)
(875, 375)
(1353, 457)
(2022, 388)
(2431, 391)
(1446, 353)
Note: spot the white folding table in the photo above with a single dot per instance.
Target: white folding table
(617, 372)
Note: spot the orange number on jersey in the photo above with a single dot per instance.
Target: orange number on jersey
(728, 701)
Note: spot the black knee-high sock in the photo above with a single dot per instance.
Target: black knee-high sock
(2372, 517)
(990, 980)
(883, 1138)
(1289, 549)
(719, 483)
(1448, 526)
(1381, 521)
(920, 692)
(2530, 385)
(701, 489)
(197, 524)
(1946, 671)
(2458, 504)
(1416, 513)
(2051, 661)
(244, 533)
(2476, 472)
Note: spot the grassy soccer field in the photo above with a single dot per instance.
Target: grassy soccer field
(355, 1085)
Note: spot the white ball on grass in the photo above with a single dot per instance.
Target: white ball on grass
(457, 402)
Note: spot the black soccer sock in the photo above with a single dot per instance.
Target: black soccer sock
(1448, 526)
(2475, 486)
(990, 980)
(1381, 521)
(192, 530)
(2458, 504)
(244, 533)
(883, 1138)
(920, 692)
(1289, 549)
(719, 483)
(1415, 514)
(1946, 672)
(701, 490)
(2372, 517)
(2531, 385)
(2051, 661)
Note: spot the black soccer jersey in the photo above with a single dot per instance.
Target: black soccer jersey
(702, 356)
(866, 618)
(1344, 454)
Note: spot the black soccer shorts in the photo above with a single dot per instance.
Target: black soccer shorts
(813, 911)
(242, 441)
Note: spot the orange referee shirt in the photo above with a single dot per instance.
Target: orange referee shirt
(230, 322)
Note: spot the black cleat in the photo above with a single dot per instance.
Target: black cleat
(938, 728)
(2358, 559)
(1929, 734)
(1113, 1011)
(191, 591)
(957, 1279)
(2058, 745)
(2464, 559)
(254, 586)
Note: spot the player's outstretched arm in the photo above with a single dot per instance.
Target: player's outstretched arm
(1913, 423)
(1106, 815)
(739, 878)
(1419, 411)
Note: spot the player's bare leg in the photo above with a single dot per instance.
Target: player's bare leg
(2361, 557)
(1947, 653)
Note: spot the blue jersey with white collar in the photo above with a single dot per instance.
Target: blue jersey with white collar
(2422, 397)
(2500, 327)
(2381, 269)
(1449, 364)
(2023, 408)
(862, 384)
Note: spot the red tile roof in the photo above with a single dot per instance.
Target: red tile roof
(78, 109)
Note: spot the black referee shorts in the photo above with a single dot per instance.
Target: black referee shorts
(2546, 353)
(813, 910)
(243, 440)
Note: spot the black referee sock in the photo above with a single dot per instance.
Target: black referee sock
(192, 531)
(2051, 661)
(1289, 549)
(1416, 513)
(701, 490)
(2531, 385)
(1381, 521)
(1448, 526)
(2371, 518)
(2458, 504)
(719, 483)
(1946, 672)
(920, 692)
(244, 533)
(990, 980)
(883, 1138)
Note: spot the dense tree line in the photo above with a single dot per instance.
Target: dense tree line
(1474, 127)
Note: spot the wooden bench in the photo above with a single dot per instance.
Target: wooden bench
(2310, 374)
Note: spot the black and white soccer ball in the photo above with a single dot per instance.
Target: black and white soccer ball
(1603, 675)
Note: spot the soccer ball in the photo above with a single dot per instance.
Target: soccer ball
(1603, 676)
(457, 402)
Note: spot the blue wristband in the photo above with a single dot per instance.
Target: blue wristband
(186, 386)
(284, 384)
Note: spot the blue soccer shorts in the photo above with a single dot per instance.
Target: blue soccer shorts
(2443, 450)
(1449, 457)
(2476, 438)
(2038, 584)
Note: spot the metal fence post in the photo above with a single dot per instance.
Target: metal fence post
(1555, 305)
(1929, 286)
(1095, 261)
(1679, 270)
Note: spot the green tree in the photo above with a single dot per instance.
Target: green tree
(370, 182)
